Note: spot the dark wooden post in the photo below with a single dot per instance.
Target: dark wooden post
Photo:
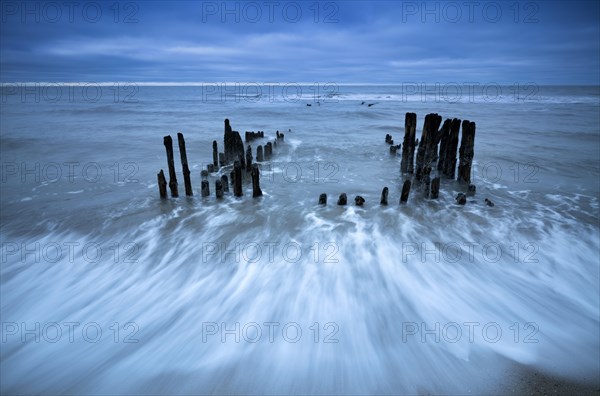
(218, 188)
(405, 191)
(466, 151)
(228, 143)
(343, 199)
(268, 151)
(222, 162)
(427, 152)
(215, 155)
(249, 159)
(168, 142)
(225, 183)
(259, 154)
(451, 147)
(408, 146)
(435, 187)
(205, 188)
(256, 191)
(184, 165)
(471, 190)
(162, 184)
(384, 196)
(461, 199)
(359, 201)
(323, 199)
(237, 179)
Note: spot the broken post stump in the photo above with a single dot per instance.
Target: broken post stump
(466, 151)
(204, 188)
(323, 199)
(471, 190)
(359, 201)
(408, 146)
(343, 199)
(210, 168)
(184, 165)
(256, 191)
(168, 142)
(218, 188)
(268, 151)
(435, 188)
(259, 154)
(489, 203)
(393, 150)
(384, 196)
(237, 179)
(225, 183)
(405, 191)
(162, 184)
(461, 199)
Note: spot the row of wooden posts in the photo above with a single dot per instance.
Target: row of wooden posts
(429, 157)
(234, 153)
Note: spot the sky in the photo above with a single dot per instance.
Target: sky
(346, 42)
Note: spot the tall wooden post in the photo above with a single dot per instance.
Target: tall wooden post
(237, 179)
(225, 183)
(249, 159)
(451, 147)
(384, 196)
(259, 154)
(215, 155)
(408, 146)
(184, 165)
(256, 191)
(466, 151)
(405, 191)
(168, 142)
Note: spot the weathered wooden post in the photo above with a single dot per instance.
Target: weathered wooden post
(225, 183)
(451, 147)
(249, 159)
(408, 146)
(256, 191)
(215, 155)
(461, 199)
(210, 168)
(268, 151)
(405, 191)
(427, 152)
(205, 188)
(466, 151)
(393, 149)
(232, 178)
(359, 201)
(323, 199)
(222, 162)
(184, 165)
(384, 196)
(218, 188)
(435, 187)
(343, 199)
(237, 179)
(259, 154)
(489, 203)
(168, 142)
(228, 143)
(162, 184)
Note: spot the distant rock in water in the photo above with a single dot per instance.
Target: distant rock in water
(308, 104)
(371, 104)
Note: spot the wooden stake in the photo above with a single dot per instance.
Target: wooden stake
(408, 146)
(168, 142)
(237, 179)
(405, 191)
(343, 199)
(384, 196)
(162, 184)
(249, 159)
(215, 155)
(184, 165)
(435, 188)
(225, 183)
(466, 151)
(259, 154)
(256, 191)
(323, 199)
(218, 188)
(204, 187)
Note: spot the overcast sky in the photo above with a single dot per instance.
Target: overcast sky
(544, 42)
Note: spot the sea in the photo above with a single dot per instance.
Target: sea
(105, 288)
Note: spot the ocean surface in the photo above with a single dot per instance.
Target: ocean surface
(107, 289)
